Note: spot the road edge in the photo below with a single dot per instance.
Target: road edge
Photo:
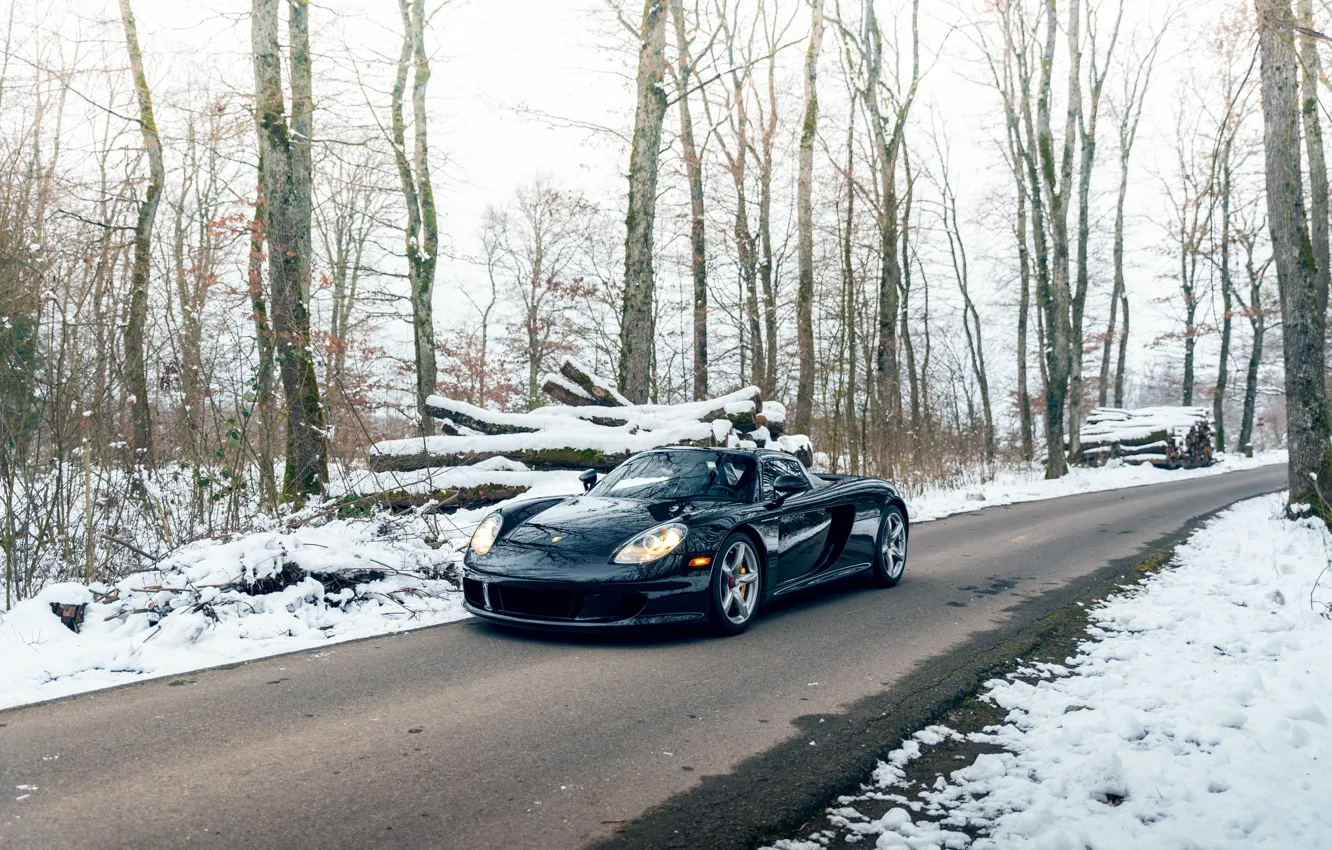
(777, 793)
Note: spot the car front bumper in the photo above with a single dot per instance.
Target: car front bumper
(586, 604)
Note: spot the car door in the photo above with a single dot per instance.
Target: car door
(802, 522)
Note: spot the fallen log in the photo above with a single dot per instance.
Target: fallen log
(537, 459)
(70, 614)
(1166, 437)
(563, 391)
(605, 417)
(445, 501)
(601, 391)
(478, 418)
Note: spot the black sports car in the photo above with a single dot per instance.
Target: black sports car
(682, 534)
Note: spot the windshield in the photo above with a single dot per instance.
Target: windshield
(662, 476)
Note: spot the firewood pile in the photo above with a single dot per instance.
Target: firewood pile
(591, 427)
(1166, 437)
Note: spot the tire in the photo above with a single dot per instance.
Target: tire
(890, 551)
(733, 597)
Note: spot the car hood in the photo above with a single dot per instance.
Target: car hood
(594, 524)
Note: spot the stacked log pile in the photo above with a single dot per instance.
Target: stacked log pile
(1166, 437)
(593, 427)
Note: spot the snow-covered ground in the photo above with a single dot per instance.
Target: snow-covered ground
(1196, 716)
(206, 605)
(194, 610)
(1028, 484)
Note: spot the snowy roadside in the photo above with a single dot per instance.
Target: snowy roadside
(199, 607)
(220, 602)
(1195, 716)
(1029, 485)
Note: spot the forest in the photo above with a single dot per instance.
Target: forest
(241, 244)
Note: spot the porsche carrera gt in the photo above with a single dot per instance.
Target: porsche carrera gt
(682, 535)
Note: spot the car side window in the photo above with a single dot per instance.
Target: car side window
(773, 468)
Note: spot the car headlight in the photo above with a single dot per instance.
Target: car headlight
(484, 536)
(652, 544)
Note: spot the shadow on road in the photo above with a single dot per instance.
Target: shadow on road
(770, 612)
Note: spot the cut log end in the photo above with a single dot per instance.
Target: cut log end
(70, 614)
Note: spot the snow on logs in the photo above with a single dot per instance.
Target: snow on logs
(1168, 437)
(576, 385)
(599, 432)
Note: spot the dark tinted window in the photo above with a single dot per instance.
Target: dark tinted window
(774, 467)
(662, 476)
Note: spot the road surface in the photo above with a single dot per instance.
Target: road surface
(469, 736)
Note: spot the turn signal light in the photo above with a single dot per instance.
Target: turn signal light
(701, 562)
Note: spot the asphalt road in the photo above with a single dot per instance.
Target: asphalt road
(468, 736)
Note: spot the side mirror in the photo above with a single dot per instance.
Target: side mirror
(589, 479)
(787, 485)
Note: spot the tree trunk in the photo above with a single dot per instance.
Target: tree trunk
(971, 324)
(286, 157)
(263, 338)
(1024, 308)
(1055, 179)
(908, 346)
(803, 413)
(1087, 135)
(1303, 301)
(1313, 141)
(849, 294)
(1117, 291)
(698, 249)
(766, 269)
(887, 394)
(1257, 323)
(136, 370)
(1123, 349)
(637, 331)
(421, 234)
(1227, 301)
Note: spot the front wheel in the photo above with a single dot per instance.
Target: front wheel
(737, 581)
(891, 553)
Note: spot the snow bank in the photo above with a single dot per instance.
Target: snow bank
(202, 607)
(1196, 718)
(1029, 484)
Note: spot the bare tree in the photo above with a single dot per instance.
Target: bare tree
(136, 370)
(693, 160)
(286, 162)
(346, 219)
(1303, 299)
(1011, 75)
(767, 121)
(1256, 310)
(1136, 80)
(805, 227)
(637, 327)
(1236, 91)
(888, 135)
(736, 158)
(537, 241)
(971, 323)
(1056, 178)
(1086, 120)
(421, 233)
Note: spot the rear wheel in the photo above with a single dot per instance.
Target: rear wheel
(891, 553)
(737, 582)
